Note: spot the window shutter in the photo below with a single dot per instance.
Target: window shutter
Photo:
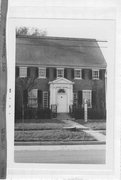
(36, 72)
(54, 72)
(93, 98)
(25, 97)
(102, 74)
(47, 72)
(79, 97)
(17, 71)
(90, 74)
(83, 74)
(40, 97)
(72, 73)
(65, 73)
(28, 72)
(48, 98)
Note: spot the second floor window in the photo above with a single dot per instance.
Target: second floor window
(95, 74)
(60, 72)
(22, 71)
(77, 74)
(42, 73)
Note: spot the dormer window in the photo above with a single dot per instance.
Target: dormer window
(60, 72)
(77, 73)
(22, 72)
(41, 72)
(95, 74)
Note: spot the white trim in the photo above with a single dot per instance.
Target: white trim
(31, 98)
(75, 73)
(57, 72)
(39, 76)
(45, 106)
(95, 70)
(90, 98)
(20, 72)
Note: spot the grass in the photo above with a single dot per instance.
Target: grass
(95, 125)
(52, 130)
(53, 135)
(38, 126)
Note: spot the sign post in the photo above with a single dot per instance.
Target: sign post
(85, 110)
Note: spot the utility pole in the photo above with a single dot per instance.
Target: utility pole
(3, 88)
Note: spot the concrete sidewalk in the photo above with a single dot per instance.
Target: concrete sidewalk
(96, 134)
(60, 147)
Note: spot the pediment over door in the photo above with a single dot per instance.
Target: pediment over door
(61, 81)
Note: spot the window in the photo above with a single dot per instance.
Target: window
(77, 74)
(75, 98)
(87, 95)
(95, 74)
(22, 71)
(42, 73)
(45, 99)
(32, 98)
(60, 72)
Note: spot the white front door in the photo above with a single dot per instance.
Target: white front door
(62, 103)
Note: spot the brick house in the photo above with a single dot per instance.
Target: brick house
(60, 73)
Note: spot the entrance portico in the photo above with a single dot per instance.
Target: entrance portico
(61, 94)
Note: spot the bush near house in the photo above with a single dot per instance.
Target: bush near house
(78, 113)
(33, 115)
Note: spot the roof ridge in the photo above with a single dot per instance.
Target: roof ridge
(55, 38)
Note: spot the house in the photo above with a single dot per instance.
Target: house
(59, 74)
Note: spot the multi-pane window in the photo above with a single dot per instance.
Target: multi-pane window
(75, 98)
(87, 97)
(22, 71)
(60, 72)
(77, 73)
(95, 74)
(42, 72)
(45, 99)
(32, 98)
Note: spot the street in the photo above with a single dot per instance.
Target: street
(80, 154)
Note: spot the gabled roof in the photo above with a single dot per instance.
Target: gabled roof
(61, 81)
(53, 51)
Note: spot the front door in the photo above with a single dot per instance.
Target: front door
(62, 106)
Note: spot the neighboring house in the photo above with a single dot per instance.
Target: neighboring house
(60, 72)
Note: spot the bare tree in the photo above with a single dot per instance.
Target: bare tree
(30, 31)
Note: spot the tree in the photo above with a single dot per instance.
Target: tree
(22, 31)
(30, 32)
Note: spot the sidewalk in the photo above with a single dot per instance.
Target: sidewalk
(96, 134)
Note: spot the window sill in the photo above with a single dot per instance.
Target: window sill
(77, 78)
(95, 78)
(41, 78)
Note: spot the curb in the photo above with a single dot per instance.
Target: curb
(33, 143)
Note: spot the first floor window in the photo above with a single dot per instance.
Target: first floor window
(42, 73)
(87, 96)
(95, 74)
(75, 98)
(32, 98)
(77, 74)
(22, 71)
(45, 99)
(60, 72)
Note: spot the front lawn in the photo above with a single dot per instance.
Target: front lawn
(38, 126)
(53, 135)
(95, 125)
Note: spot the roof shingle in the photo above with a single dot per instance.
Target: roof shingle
(53, 51)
